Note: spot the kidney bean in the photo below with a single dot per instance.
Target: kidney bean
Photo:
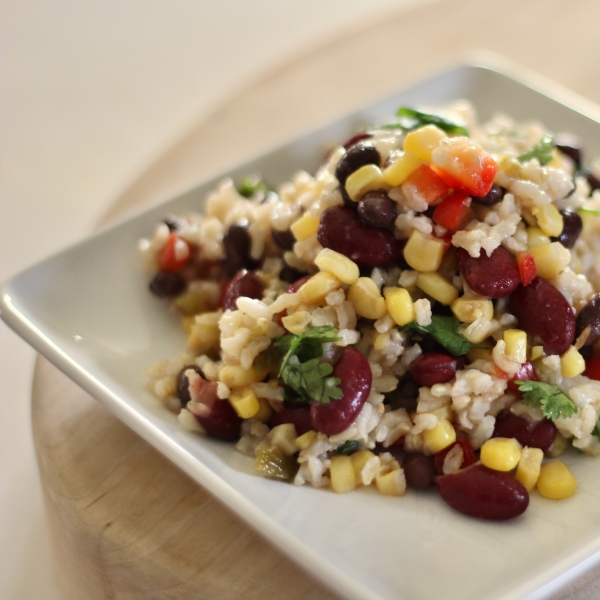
(340, 229)
(494, 196)
(291, 412)
(525, 373)
(183, 383)
(245, 283)
(355, 374)
(217, 416)
(589, 316)
(418, 470)
(296, 285)
(542, 310)
(572, 226)
(538, 434)
(493, 276)
(434, 367)
(483, 493)
(469, 457)
(357, 156)
(284, 239)
(357, 137)
(237, 244)
(167, 284)
(375, 209)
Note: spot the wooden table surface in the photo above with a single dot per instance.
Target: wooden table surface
(125, 523)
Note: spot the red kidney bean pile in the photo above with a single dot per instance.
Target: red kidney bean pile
(422, 313)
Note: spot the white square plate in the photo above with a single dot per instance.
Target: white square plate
(88, 310)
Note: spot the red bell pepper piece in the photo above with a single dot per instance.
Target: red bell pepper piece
(173, 255)
(527, 267)
(453, 212)
(428, 184)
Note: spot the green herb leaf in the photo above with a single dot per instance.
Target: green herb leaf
(542, 151)
(596, 430)
(348, 447)
(252, 184)
(444, 330)
(588, 211)
(550, 398)
(413, 119)
(301, 369)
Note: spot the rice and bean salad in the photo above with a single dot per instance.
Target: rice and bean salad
(423, 311)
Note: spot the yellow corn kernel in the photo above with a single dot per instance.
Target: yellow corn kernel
(381, 341)
(366, 299)
(187, 321)
(392, 483)
(235, 376)
(317, 287)
(359, 461)
(556, 480)
(537, 352)
(305, 226)
(306, 439)
(337, 264)
(297, 322)
(572, 363)
(438, 438)
(423, 141)
(284, 438)
(399, 170)
(244, 402)
(479, 354)
(265, 410)
(536, 237)
(468, 310)
(516, 344)
(399, 304)
(434, 285)
(550, 221)
(424, 252)
(478, 331)
(550, 259)
(204, 333)
(366, 179)
(501, 454)
(558, 446)
(342, 474)
(528, 469)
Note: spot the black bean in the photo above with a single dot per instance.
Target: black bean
(375, 209)
(589, 316)
(494, 196)
(183, 382)
(572, 226)
(418, 470)
(167, 284)
(405, 395)
(358, 137)
(284, 239)
(593, 181)
(289, 274)
(571, 146)
(237, 244)
(173, 222)
(359, 155)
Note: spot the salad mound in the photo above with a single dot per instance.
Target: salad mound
(421, 312)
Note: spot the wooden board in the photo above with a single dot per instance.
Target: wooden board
(125, 523)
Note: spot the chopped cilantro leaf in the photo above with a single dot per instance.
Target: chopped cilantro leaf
(413, 119)
(596, 430)
(588, 211)
(251, 184)
(348, 447)
(553, 402)
(542, 151)
(444, 330)
(301, 368)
